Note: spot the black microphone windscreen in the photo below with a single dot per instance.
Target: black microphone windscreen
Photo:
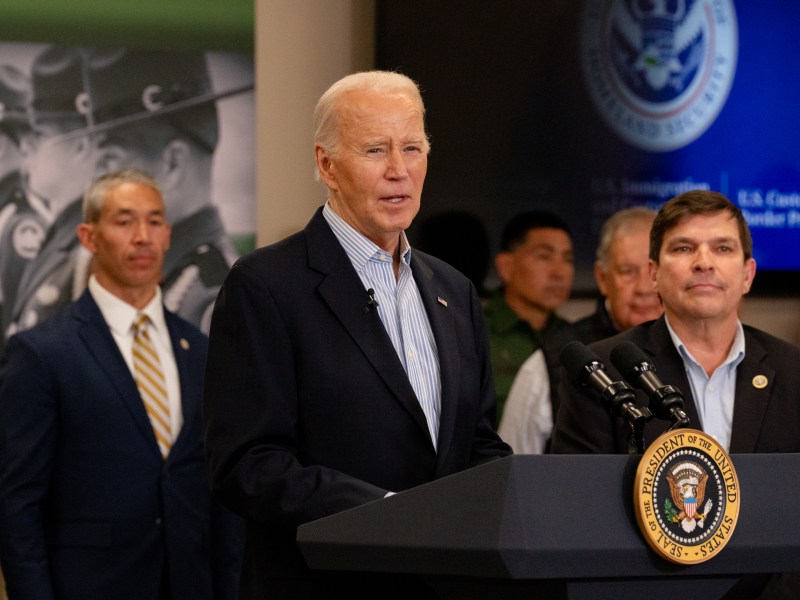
(574, 357)
(626, 357)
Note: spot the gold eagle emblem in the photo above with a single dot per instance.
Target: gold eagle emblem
(687, 487)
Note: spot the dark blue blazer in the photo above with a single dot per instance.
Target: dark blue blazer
(88, 507)
(308, 409)
(765, 418)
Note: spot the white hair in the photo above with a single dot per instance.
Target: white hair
(328, 110)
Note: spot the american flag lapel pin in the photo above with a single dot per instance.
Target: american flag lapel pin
(441, 301)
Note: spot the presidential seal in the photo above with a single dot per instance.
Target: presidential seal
(686, 496)
(659, 71)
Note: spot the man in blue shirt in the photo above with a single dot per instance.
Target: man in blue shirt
(740, 385)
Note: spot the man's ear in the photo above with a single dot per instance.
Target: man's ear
(325, 167)
(172, 168)
(749, 274)
(85, 232)
(653, 269)
(502, 264)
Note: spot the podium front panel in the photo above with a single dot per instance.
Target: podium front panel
(550, 517)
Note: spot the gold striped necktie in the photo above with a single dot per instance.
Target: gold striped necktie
(151, 383)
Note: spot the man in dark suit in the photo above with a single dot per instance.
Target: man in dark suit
(91, 504)
(343, 365)
(701, 265)
(740, 385)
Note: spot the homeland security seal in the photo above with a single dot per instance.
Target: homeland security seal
(659, 71)
(687, 496)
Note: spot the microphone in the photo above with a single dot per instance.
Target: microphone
(666, 401)
(586, 367)
(371, 302)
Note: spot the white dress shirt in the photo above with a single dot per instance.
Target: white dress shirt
(527, 420)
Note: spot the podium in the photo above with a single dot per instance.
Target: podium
(555, 525)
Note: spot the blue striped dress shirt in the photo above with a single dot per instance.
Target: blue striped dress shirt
(401, 311)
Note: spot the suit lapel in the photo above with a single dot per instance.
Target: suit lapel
(190, 395)
(750, 403)
(100, 344)
(440, 316)
(342, 290)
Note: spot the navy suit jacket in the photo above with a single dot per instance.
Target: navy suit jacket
(764, 419)
(88, 507)
(308, 409)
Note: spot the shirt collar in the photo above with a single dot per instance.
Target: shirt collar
(358, 247)
(735, 355)
(119, 315)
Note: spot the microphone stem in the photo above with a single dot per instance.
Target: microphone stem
(635, 420)
(679, 419)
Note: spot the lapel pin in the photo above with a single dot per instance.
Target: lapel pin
(760, 382)
(184, 344)
(441, 301)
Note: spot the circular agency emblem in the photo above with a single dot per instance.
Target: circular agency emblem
(686, 496)
(659, 71)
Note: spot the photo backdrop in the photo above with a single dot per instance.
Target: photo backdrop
(70, 113)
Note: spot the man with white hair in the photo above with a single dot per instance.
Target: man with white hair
(344, 365)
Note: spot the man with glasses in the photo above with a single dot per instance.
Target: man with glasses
(621, 271)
